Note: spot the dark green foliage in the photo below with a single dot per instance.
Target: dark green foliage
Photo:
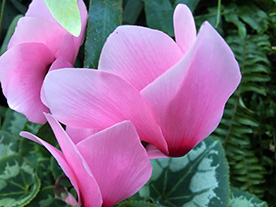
(159, 15)
(247, 129)
(200, 178)
(18, 180)
(45, 198)
(244, 127)
(132, 10)
(240, 118)
(104, 17)
(241, 198)
(131, 203)
(27, 171)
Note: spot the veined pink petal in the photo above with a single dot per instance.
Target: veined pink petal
(188, 100)
(118, 161)
(184, 27)
(30, 29)
(79, 134)
(97, 99)
(58, 155)
(138, 54)
(22, 74)
(90, 192)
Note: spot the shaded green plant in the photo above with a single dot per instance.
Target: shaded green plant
(246, 133)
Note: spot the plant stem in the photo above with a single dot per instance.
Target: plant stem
(218, 13)
(2, 15)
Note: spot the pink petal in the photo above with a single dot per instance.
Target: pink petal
(118, 161)
(22, 73)
(69, 199)
(90, 193)
(184, 27)
(84, 16)
(39, 9)
(154, 153)
(138, 54)
(68, 48)
(79, 134)
(58, 155)
(98, 100)
(189, 99)
(60, 63)
(57, 64)
(30, 29)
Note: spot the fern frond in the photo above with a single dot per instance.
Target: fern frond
(239, 122)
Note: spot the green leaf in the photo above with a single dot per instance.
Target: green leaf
(46, 133)
(241, 198)
(132, 203)
(44, 172)
(104, 17)
(9, 34)
(159, 15)
(32, 127)
(8, 144)
(211, 17)
(132, 11)
(14, 122)
(192, 4)
(46, 198)
(32, 151)
(67, 13)
(55, 168)
(255, 17)
(19, 6)
(198, 179)
(19, 183)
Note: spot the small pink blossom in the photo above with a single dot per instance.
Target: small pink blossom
(104, 168)
(39, 44)
(174, 92)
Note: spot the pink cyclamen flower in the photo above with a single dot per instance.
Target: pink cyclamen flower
(39, 44)
(104, 168)
(173, 92)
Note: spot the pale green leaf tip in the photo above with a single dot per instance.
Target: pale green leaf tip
(67, 14)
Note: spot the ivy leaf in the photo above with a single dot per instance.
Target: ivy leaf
(32, 151)
(132, 203)
(104, 16)
(67, 13)
(19, 183)
(44, 172)
(8, 144)
(198, 179)
(14, 122)
(46, 198)
(241, 198)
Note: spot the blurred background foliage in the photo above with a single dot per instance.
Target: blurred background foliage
(248, 127)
